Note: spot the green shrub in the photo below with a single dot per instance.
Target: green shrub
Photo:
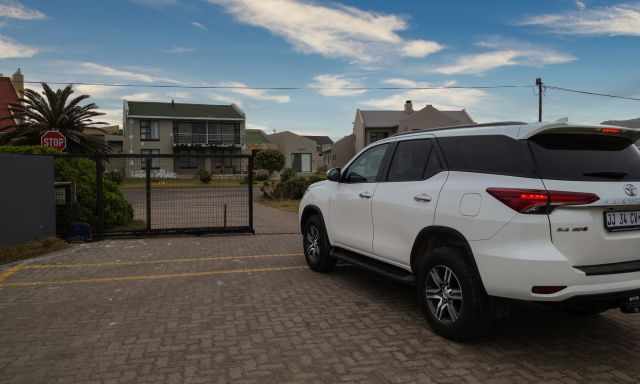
(82, 172)
(295, 187)
(261, 177)
(115, 176)
(204, 176)
(271, 160)
(287, 174)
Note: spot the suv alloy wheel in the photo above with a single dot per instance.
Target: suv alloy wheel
(451, 295)
(316, 246)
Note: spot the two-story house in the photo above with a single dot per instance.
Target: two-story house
(372, 125)
(178, 128)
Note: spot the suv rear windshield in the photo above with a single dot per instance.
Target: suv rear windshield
(585, 157)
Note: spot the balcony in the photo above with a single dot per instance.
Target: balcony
(209, 134)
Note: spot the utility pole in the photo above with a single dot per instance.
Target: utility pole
(539, 84)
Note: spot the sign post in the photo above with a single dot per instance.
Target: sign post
(54, 139)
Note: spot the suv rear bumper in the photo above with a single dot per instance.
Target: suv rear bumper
(512, 270)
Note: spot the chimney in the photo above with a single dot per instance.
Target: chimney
(408, 106)
(18, 83)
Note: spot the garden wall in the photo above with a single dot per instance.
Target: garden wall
(27, 199)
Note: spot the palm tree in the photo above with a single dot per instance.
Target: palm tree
(53, 110)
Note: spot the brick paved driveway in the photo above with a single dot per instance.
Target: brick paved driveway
(245, 309)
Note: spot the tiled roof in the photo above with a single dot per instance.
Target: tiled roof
(320, 140)
(181, 110)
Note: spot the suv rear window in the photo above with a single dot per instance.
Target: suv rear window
(584, 157)
(495, 154)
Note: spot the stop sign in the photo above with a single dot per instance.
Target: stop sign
(53, 139)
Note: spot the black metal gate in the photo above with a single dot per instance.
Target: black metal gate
(149, 194)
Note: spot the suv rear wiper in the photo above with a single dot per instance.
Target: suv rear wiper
(607, 174)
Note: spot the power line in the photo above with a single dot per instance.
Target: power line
(591, 93)
(239, 87)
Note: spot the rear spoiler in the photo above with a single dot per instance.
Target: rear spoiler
(561, 127)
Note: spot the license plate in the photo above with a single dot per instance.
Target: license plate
(622, 220)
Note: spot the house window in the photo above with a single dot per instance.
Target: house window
(155, 162)
(188, 162)
(187, 132)
(301, 162)
(377, 135)
(149, 130)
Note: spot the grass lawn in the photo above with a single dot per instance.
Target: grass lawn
(182, 183)
(29, 250)
(284, 204)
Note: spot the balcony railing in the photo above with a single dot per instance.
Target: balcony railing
(204, 139)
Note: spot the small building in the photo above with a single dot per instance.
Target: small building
(9, 94)
(343, 150)
(113, 137)
(299, 151)
(323, 151)
(373, 125)
(370, 126)
(179, 128)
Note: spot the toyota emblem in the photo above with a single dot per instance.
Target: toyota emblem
(630, 190)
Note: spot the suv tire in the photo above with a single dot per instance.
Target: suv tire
(317, 250)
(451, 295)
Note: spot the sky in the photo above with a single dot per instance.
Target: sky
(324, 47)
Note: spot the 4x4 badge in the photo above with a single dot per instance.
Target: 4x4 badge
(630, 190)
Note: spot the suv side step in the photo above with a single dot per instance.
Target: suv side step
(373, 265)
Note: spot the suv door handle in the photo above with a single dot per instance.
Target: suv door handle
(422, 198)
(365, 195)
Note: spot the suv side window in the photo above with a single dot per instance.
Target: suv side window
(410, 160)
(365, 168)
(494, 154)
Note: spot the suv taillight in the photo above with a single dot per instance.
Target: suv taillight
(539, 201)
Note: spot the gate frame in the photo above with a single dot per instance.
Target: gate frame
(99, 159)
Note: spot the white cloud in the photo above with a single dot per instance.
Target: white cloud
(15, 10)
(614, 20)
(10, 49)
(332, 31)
(122, 74)
(330, 85)
(111, 116)
(176, 50)
(224, 99)
(581, 5)
(157, 96)
(439, 98)
(420, 48)
(504, 53)
(258, 94)
(94, 90)
(401, 83)
(199, 26)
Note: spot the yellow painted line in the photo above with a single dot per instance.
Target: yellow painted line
(161, 261)
(151, 277)
(9, 272)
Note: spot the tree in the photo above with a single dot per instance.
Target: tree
(271, 160)
(56, 110)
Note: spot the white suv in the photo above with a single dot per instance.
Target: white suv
(536, 212)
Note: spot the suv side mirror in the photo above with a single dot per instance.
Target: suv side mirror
(333, 175)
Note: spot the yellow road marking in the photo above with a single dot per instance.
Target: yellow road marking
(151, 277)
(9, 272)
(162, 261)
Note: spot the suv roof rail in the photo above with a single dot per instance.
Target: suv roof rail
(494, 124)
